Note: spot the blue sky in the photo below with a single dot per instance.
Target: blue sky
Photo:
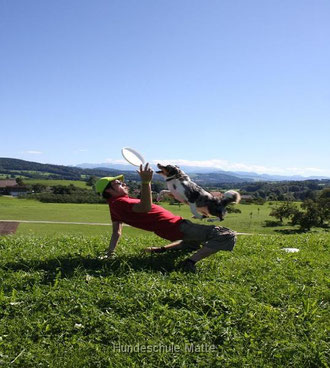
(240, 85)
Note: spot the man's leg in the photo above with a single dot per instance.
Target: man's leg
(215, 238)
(177, 245)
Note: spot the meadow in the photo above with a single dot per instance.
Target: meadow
(53, 182)
(251, 219)
(258, 306)
(62, 306)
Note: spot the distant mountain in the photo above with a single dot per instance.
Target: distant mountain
(206, 177)
(106, 166)
(30, 169)
(267, 177)
(11, 166)
(198, 174)
(235, 176)
(187, 169)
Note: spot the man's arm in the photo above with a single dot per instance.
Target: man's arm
(116, 234)
(146, 197)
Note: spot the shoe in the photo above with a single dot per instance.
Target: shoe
(188, 266)
(155, 250)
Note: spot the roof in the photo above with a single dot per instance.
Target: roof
(8, 183)
(217, 194)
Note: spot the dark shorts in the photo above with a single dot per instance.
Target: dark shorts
(210, 236)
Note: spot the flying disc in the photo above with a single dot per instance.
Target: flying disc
(291, 250)
(132, 156)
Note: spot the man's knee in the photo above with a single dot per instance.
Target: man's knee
(222, 238)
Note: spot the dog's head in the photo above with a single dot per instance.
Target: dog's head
(169, 171)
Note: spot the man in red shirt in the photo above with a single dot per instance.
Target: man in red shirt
(143, 214)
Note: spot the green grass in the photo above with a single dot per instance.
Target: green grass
(256, 306)
(53, 182)
(26, 209)
(23, 209)
(25, 174)
(73, 229)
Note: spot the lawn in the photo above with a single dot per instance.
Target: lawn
(258, 306)
(53, 182)
(28, 209)
(251, 219)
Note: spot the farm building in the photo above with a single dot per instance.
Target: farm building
(246, 197)
(217, 194)
(10, 187)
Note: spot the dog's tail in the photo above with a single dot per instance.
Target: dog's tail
(231, 196)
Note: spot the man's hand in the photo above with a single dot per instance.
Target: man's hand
(146, 198)
(116, 234)
(107, 255)
(145, 173)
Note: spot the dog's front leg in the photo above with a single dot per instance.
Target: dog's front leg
(193, 210)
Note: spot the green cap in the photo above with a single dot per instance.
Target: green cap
(102, 183)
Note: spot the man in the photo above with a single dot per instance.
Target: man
(143, 214)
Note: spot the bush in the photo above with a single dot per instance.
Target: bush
(67, 194)
(231, 209)
(285, 210)
(315, 212)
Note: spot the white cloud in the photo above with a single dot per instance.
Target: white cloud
(32, 152)
(239, 166)
(236, 166)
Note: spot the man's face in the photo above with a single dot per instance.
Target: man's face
(117, 189)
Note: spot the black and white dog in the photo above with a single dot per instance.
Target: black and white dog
(202, 203)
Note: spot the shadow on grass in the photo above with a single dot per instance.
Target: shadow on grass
(67, 267)
(282, 231)
(270, 223)
(290, 231)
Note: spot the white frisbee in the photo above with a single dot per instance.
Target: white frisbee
(132, 156)
(291, 250)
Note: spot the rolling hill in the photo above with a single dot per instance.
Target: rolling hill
(29, 169)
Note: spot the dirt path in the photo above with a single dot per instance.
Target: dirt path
(8, 227)
(56, 222)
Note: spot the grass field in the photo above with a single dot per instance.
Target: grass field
(53, 182)
(60, 306)
(251, 220)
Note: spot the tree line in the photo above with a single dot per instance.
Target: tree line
(313, 212)
(282, 191)
(34, 170)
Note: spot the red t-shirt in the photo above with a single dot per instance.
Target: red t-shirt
(162, 222)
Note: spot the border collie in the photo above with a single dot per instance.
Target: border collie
(202, 203)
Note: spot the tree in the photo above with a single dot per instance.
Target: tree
(308, 218)
(38, 188)
(324, 206)
(285, 210)
(91, 181)
(315, 212)
(19, 181)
